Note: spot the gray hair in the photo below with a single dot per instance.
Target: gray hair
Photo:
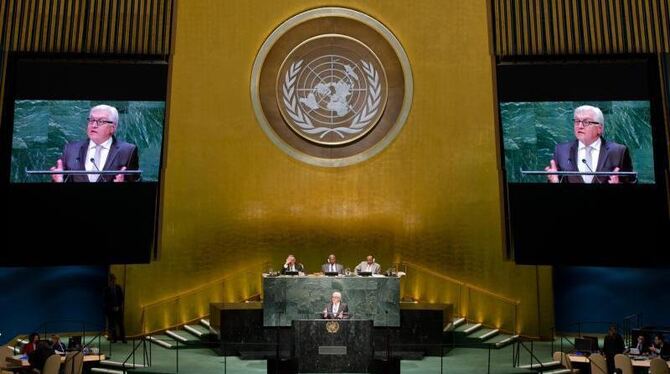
(598, 114)
(113, 113)
(337, 294)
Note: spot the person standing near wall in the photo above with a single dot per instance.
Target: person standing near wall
(113, 304)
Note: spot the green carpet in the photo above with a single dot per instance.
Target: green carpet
(206, 361)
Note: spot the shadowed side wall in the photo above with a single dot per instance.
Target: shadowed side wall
(233, 201)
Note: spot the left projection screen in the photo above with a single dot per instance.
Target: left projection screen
(56, 110)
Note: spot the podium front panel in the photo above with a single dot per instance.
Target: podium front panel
(333, 346)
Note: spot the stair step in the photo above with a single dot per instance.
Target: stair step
(463, 327)
(558, 371)
(196, 330)
(507, 341)
(158, 341)
(183, 337)
(205, 322)
(120, 364)
(473, 328)
(536, 365)
(486, 334)
(106, 371)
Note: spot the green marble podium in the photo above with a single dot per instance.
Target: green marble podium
(289, 298)
(333, 346)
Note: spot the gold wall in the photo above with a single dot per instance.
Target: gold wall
(232, 200)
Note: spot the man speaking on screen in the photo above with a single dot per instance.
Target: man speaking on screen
(101, 151)
(590, 152)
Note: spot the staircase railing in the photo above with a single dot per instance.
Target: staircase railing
(633, 321)
(172, 307)
(146, 355)
(462, 294)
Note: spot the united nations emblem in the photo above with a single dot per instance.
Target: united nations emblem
(332, 327)
(331, 86)
(331, 89)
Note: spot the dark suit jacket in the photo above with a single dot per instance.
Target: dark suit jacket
(338, 267)
(38, 357)
(298, 267)
(120, 154)
(344, 309)
(611, 155)
(113, 298)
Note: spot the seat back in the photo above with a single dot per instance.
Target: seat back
(623, 363)
(563, 359)
(598, 364)
(659, 366)
(74, 362)
(52, 365)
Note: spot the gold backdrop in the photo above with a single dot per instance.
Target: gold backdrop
(232, 200)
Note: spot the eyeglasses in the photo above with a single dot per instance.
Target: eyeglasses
(99, 122)
(585, 123)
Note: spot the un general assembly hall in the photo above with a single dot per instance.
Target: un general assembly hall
(347, 186)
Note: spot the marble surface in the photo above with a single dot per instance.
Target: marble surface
(333, 346)
(294, 298)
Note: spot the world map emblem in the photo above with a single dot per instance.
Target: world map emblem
(331, 87)
(332, 90)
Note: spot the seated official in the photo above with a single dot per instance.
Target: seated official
(331, 266)
(641, 345)
(39, 356)
(369, 266)
(336, 309)
(292, 265)
(57, 345)
(660, 348)
(33, 340)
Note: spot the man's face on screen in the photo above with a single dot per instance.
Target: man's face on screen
(97, 129)
(586, 129)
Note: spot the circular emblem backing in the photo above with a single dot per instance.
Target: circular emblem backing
(332, 327)
(331, 86)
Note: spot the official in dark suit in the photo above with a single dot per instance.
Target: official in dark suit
(331, 265)
(57, 345)
(590, 152)
(292, 265)
(101, 151)
(612, 346)
(39, 356)
(336, 309)
(113, 305)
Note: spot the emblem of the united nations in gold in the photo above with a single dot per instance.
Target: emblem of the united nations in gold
(331, 89)
(332, 327)
(331, 86)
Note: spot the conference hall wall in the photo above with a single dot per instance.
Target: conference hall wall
(234, 203)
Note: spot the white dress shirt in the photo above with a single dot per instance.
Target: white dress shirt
(335, 308)
(104, 152)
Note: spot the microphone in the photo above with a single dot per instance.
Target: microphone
(591, 170)
(96, 168)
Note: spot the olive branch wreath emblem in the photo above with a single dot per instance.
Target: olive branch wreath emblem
(360, 121)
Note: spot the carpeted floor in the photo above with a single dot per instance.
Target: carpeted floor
(460, 360)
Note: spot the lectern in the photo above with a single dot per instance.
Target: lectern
(333, 346)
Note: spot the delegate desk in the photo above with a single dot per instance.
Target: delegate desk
(288, 298)
(637, 363)
(22, 359)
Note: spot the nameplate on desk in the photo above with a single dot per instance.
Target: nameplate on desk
(332, 350)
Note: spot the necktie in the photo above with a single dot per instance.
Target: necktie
(589, 163)
(96, 163)
(368, 268)
(332, 267)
